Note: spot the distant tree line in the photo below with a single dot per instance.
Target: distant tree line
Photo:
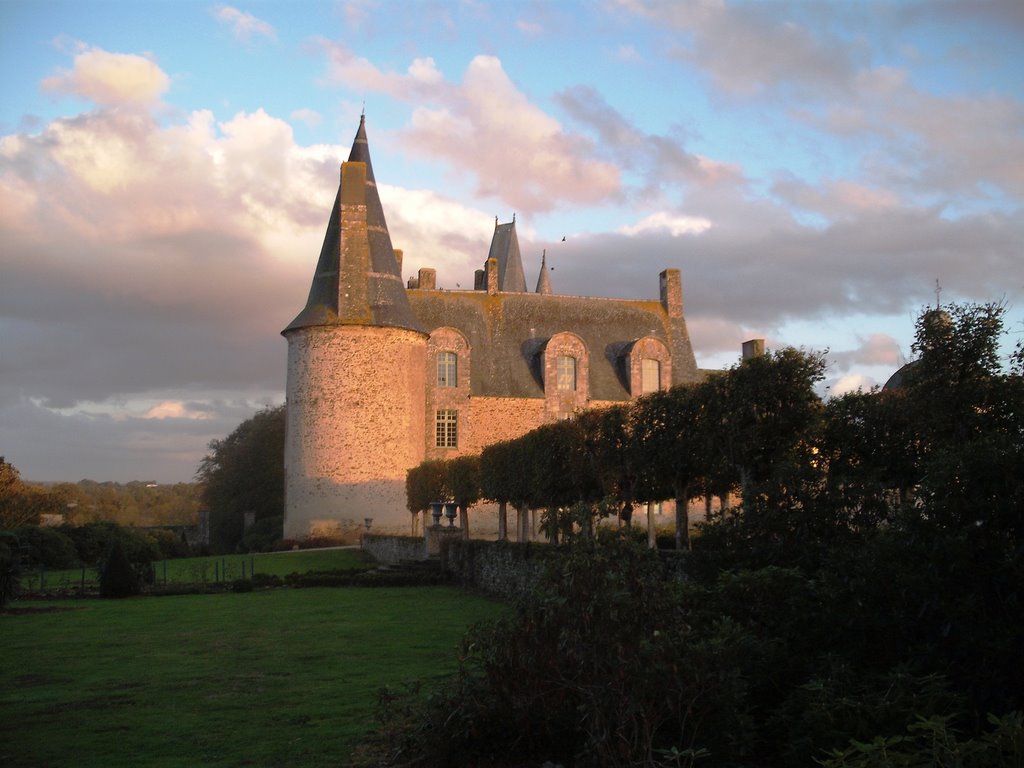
(137, 503)
(862, 605)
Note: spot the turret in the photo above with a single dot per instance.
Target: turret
(505, 252)
(543, 280)
(357, 340)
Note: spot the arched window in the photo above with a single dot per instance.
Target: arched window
(566, 373)
(447, 369)
(650, 375)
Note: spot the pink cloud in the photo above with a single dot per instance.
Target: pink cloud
(111, 79)
(244, 25)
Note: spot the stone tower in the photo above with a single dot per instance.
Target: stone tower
(356, 370)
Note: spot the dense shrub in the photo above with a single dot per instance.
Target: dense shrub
(118, 578)
(262, 535)
(170, 544)
(10, 570)
(94, 540)
(48, 547)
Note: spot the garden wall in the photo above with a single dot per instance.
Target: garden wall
(394, 549)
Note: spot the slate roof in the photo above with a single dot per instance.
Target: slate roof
(384, 299)
(507, 333)
(505, 248)
(544, 280)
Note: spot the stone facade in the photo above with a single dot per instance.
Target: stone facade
(382, 375)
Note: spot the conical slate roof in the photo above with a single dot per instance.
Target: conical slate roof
(543, 280)
(357, 279)
(505, 248)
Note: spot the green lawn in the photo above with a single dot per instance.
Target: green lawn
(285, 677)
(194, 570)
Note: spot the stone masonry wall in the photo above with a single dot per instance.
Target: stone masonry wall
(355, 425)
(393, 549)
(499, 568)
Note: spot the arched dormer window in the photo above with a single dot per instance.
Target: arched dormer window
(649, 366)
(447, 369)
(565, 365)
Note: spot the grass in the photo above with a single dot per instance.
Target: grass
(193, 570)
(285, 677)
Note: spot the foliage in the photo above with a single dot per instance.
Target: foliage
(118, 578)
(426, 483)
(48, 547)
(22, 503)
(463, 483)
(244, 472)
(934, 743)
(136, 503)
(10, 569)
(93, 541)
(262, 535)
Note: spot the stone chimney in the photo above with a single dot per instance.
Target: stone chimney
(427, 279)
(671, 285)
(753, 348)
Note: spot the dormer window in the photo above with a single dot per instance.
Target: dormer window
(447, 369)
(650, 375)
(566, 376)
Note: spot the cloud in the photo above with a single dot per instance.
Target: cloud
(530, 163)
(750, 50)
(675, 225)
(176, 409)
(243, 25)
(111, 79)
(878, 349)
(310, 117)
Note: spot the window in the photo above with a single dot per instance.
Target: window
(447, 429)
(566, 373)
(447, 369)
(650, 375)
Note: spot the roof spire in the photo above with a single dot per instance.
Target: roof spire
(543, 280)
(357, 280)
(505, 249)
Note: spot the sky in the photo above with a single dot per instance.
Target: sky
(818, 172)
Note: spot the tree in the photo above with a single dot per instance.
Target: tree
(463, 482)
(671, 438)
(22, 503)
(244, 472)
(768, 414)
(970, 416)
(425, 483)
(117, 577)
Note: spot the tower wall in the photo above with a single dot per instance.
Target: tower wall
(355, 424)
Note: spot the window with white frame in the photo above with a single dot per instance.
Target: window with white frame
(447, 369)
(447, 429)
(566, 373)
(650, 375)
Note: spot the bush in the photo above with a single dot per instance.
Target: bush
(170, 544)
(48, 547)
(117, 577)
(598, 667)
(263, 534)
(10, 570)
(93, 542)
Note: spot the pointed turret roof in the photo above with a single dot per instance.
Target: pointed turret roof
(505, 249)
(543, 280)
(357, 279)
